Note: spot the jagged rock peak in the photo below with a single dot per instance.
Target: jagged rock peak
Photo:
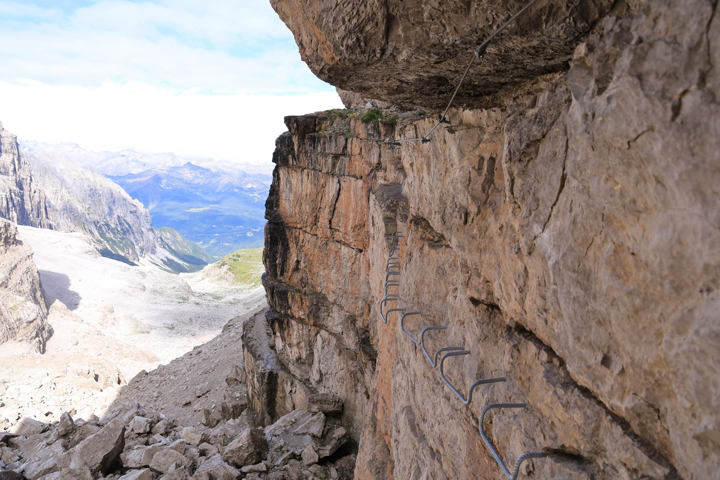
(20, 200)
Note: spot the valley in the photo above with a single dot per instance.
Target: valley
(111, 320)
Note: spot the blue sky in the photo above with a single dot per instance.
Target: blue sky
(193, 77)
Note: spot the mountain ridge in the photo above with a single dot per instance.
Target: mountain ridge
(216, 204)
(80, 199)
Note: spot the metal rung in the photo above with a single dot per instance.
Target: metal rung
(391, 284)
(392, 273)
(390, 311)
(387, 298)
(493, 450)
(444, 349)
(422, 343)
(476, 384)
(402, 327)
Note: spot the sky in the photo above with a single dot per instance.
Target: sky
(196, 78)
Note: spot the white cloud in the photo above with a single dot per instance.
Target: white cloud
(237, 127)
(191, 77)
(22, 10)
(226, 45)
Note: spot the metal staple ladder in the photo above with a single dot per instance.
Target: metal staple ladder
(393, 269)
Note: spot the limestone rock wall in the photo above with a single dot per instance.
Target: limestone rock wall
(23, 312)
(20, 200)
(411, 52)
(568, 236)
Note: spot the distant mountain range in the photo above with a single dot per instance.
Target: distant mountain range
(220, 211)
(80, 199)
(220, 206)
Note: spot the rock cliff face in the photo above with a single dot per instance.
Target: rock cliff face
(20, 199)
(23, 312)
(564, 230)
(411, 52)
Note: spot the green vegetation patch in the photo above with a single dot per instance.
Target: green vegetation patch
(245, 266)
(375, 115)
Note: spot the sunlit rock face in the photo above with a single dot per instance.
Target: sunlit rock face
(20, 199)
(23, 312)
(566, 230)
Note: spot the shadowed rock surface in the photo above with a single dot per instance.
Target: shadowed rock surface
(412, 53)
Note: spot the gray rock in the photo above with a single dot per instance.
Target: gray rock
(292, 433)
(66, 425)
(179, 474)
(44, 461)
(309, 455)
(178, 446)
(101, 451)
(144, 474)
(326, 403)
(217, 469)
(248, 448)
(258, 467)
(333, 439)
(207, 449)
(140, 456)
(70, 474)
(30, 426)
(410, 53)
(162, 427)
(167, 459)
(192, 435)
(8, 456)
(140, 425)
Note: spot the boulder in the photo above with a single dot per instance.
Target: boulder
(309, 455)
(216, 469)
(326, 403)
(192, 435)
(292, 433)
(331, 441)
(207, 449)
(140, 456)
(101, 451)
(167, 459)
(44, 461)
(144, 474)
(179, 474)
(65, 425)
(257, 468)
(30, 426)
(248, 448)
(140, 425)
(178, 446)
